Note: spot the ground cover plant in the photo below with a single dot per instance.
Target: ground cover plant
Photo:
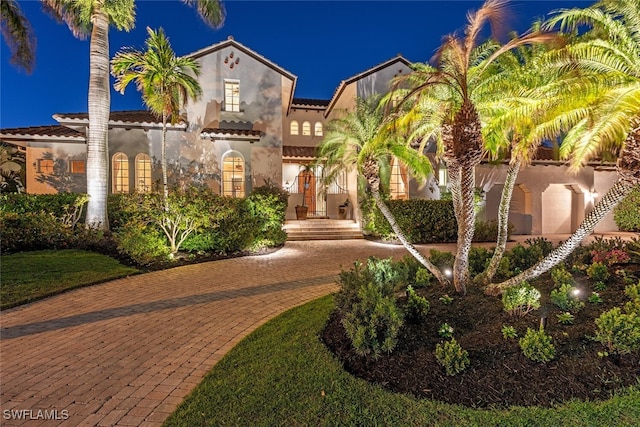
(545, 342)
(283, 375)
(27, 276)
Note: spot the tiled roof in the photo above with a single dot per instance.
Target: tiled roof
(311, 102)
(294, 151)
(231, 132)
(131, 116)
(43, 131)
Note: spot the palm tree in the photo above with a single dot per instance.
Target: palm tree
(18, 34)
(610, 50)
(360, 141)
(444, 97)
(93, 17)
(166, 82)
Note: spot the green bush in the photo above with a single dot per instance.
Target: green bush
(423, 277)
(487, 231)
(422, 221)
(565, 318)
(373, 322)
(537, 346)
(598, 272)
(566, 298)
(417, 306)
(441, 259)
(143, 244)
(22, 203)
(561, 276)
(33, 231)
(452, 357)
(479, 258)
(509, 332)
(268, 204)
(627, 213)
(520, 300)
(619, 332)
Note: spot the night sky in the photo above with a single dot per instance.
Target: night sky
(321, 42)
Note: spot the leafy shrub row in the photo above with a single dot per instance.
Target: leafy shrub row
(627, 213)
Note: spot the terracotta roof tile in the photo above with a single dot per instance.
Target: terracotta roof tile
(130, 116)
(232, 132)
(294, 151)
(311, 102)
(53, 130)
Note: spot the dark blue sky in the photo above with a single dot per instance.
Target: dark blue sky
(321, 42)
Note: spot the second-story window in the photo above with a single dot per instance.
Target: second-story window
(231, 95)
(306, 129)
(317, 129)
(293, 129)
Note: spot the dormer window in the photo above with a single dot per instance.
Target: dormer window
(232, 95)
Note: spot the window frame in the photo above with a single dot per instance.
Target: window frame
(231, 101)
(306, 128)
(73, 167)
(294, 125)
(234, 191)
(120, 181)
(316, 126)
(146, 186)
(45, 166)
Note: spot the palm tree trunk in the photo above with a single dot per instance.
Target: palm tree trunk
(628, 177)
(503, 223)
(97, 138)
(618, 192)
(165, 187)
(466, 227)
(412, 249)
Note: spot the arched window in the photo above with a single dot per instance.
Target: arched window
(294, 128)
(398, 183)
(143, 173)
(306, 128)
(233, 169)
(317, 129)
(120, 173)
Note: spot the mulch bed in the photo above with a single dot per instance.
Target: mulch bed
(499, 375)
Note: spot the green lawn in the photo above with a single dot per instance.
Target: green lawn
(28, 276)
(282, 375)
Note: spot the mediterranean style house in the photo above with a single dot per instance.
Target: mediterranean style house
(248, 130)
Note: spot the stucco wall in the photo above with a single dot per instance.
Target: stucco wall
(61, 180)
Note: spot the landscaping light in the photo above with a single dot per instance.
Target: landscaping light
(447, 272)
(575, 291)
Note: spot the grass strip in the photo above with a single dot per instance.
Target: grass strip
(282, 375)
(28, 276)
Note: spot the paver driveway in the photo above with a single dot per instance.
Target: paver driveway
(128, 351)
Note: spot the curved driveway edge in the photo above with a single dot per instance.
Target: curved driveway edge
(127, 352)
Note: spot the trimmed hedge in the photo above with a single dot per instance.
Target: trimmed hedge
(627, 213)
(423, 221)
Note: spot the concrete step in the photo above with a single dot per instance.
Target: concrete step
(322, 229)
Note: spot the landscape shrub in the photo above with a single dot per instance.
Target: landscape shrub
(422, 221)
(479, 258)
(33, 231)
(520, 300)
(22, 203)
(610, 258)
(373, 322)
(627, 213)
(441, 259)
(509, 332)
(452, 357)
(536, 345)
(619, 332)
(487, 231)
(423, 277)
(142, 243)
(565, 318)
(387, 273)
(561, 276)
(598, 272)
(268, 204)
(566, 297)
(522, 257)
(417, 306)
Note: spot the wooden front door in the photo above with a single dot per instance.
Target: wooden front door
(307, 187)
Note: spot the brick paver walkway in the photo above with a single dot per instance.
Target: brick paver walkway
(128, 351)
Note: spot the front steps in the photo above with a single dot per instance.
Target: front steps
(322, 229)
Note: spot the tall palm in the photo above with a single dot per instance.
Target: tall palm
(447, 90)
(609, 53)
(18, 34)
(93, 17)
(166, 82)
(361, 141)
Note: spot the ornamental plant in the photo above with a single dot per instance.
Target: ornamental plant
(618, 331)
(611, 257)
(598, 272)
(445, 331)
(520, 300)
(537, 346)
(566, 297)
(565, 318)
(509, 332)
(417, 306)
(452, 357)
